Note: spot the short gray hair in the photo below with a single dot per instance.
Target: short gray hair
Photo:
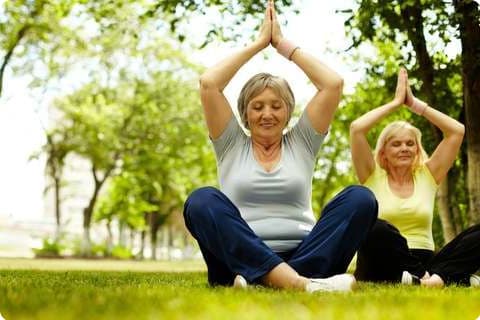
(259, 82)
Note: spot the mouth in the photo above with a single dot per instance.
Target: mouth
(267, 125)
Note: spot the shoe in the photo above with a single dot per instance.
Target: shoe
(240, 282)
(474, 281)
(340, 282)
(410, 279)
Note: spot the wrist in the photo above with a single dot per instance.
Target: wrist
(286, 48)
(418, 106)
(258, 45)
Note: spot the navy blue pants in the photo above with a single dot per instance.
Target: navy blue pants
(230, 247)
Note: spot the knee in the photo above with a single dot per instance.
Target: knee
(383, 233)
(382, 229)
(364, 201)
(197, 201)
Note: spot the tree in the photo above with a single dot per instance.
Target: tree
(55, 34)
(56, 148)
(467, 17)
(32, 32)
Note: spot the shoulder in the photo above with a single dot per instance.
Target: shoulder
(303, 135)
(423, 173)
(378, 175)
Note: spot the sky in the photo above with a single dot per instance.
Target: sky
(317, 29)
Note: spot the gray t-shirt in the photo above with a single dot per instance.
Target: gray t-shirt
(276, 205)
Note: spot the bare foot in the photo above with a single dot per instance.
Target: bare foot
(435, 281)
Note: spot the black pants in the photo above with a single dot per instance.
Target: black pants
(385, 255)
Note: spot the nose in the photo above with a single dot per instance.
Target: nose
(404, 148)
(267, 112)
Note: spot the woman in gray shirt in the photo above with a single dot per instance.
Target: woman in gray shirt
(259, 227)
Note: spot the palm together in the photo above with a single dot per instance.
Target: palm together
(403, 93)
(270, 32)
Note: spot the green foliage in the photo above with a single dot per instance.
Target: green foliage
(98, 250)
(121, 252)
(46, 40)
(50, 248)
(34, 31)
(178, 13)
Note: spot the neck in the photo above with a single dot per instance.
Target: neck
(401, 175)
(266, 148)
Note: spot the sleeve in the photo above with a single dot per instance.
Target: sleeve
(228, 138)
(429, 177)
(371, 180)
(307, 135)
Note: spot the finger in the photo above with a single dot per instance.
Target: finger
(271, 10)
(274, 12)
(400, 78)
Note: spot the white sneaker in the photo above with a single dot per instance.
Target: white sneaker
(474, 281)
(240, 282)
(340, 282)
(409, 279)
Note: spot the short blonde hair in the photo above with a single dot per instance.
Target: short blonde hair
(259, 82)
(387, 134)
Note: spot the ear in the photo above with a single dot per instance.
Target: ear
(381, 156)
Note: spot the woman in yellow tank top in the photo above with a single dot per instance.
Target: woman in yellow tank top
(400, 247)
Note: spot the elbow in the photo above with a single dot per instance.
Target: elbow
(337, 85)
(461, 130)
(206, 82)
(354, 127)
(457, 133)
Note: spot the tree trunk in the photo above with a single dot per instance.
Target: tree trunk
(88, 211)
(58, 230)
(8, 55)
(121, 234)
(448, 227)
(132, 239)
(141, 252)
(86, 243)
(153, 234)
(166, 241)
(469, 15)
(109, 242)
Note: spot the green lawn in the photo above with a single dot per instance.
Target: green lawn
(74, 289)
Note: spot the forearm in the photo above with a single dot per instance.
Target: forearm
(319, 73)
(364, 123)
(220, 74)
(446, 124)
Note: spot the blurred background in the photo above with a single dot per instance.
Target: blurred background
(102, 135)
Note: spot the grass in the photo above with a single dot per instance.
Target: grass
(76, 289)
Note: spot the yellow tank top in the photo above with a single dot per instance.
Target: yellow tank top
(412, 216)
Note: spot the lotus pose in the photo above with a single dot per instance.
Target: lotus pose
(259, 227)
(404, 178)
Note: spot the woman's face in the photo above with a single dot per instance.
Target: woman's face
(401, 149)
(267, 115)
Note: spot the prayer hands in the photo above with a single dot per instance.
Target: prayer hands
(265, 36)
(276, 31)
(401, 90)
(270, 32)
